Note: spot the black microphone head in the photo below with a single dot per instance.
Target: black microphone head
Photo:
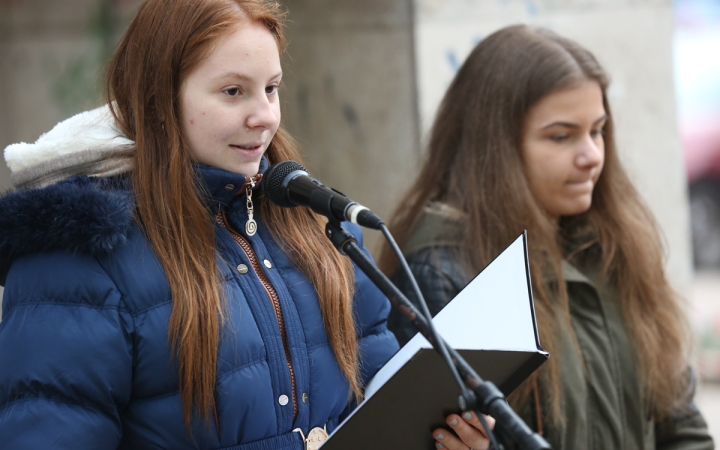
(274, 185)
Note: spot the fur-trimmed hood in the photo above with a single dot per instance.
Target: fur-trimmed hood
(88, 143)
(64, 201)
(80, 215)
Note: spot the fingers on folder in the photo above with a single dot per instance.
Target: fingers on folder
(469, 433)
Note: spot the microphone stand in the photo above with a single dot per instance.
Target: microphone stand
(490, 400)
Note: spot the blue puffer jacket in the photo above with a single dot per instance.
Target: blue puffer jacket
(84, 356)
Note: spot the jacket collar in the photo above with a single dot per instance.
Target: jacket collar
(222, 185)
(573, 274)
(443, 226)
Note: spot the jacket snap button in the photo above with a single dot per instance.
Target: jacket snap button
(229, 187)
(283, 400)
(268, 264)
(304, 397)
(242, 268)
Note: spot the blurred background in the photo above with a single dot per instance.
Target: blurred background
(696, 49)
(364, 77)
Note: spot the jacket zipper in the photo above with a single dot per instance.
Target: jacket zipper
(271, 293)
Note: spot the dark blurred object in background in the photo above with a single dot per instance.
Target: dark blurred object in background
(697, 74)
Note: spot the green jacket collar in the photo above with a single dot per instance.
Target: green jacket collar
(572, 274)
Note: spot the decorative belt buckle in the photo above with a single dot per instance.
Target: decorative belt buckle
(315, 437)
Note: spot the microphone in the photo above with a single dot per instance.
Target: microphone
(288, 184)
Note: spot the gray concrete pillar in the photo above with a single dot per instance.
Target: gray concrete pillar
(350, 97)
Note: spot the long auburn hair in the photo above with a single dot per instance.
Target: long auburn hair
(474, 164)
(164, 43)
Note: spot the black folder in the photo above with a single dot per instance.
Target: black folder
(491, 323)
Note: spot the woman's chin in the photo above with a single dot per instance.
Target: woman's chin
(572, 208)
(580, 208)
(249, 169)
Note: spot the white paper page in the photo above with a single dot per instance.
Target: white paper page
(491, 313)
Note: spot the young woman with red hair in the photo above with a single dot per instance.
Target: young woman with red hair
(153, 298)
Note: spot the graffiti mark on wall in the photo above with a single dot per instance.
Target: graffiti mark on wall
(452, 57)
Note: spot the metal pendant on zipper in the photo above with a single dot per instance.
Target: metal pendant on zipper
(250, 225)
(315, 438)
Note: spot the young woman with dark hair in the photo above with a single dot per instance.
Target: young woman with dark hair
(523, 140)
(153, 298)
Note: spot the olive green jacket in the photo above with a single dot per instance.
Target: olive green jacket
(603, 405)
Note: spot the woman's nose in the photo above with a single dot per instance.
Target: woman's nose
(591, 153)
(263, 114)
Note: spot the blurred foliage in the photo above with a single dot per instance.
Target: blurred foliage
(81, 85)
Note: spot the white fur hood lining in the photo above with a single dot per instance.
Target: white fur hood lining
(89, 130)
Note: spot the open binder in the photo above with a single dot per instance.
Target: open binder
(491, 323)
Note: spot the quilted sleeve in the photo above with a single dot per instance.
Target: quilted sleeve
(66, 355)
(439, 277)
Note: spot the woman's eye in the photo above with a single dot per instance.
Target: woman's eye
(559, 137)
(597, 133)
(271, 89)
(232, 92)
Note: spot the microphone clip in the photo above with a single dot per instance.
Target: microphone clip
(338, 235)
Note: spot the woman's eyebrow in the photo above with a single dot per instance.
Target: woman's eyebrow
(242, 76)
(601, 119)
(562, 124)
(571, 124)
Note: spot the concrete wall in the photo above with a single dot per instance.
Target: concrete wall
(50, 56)
(350, 96)
(632, 39)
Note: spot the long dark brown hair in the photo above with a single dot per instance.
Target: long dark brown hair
(474, 164)
(166, 40)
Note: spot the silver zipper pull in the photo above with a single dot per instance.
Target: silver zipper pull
(250, 225)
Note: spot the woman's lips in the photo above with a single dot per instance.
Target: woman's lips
(583, 179)
(580, 186)
(579, 181)
(247, 147)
